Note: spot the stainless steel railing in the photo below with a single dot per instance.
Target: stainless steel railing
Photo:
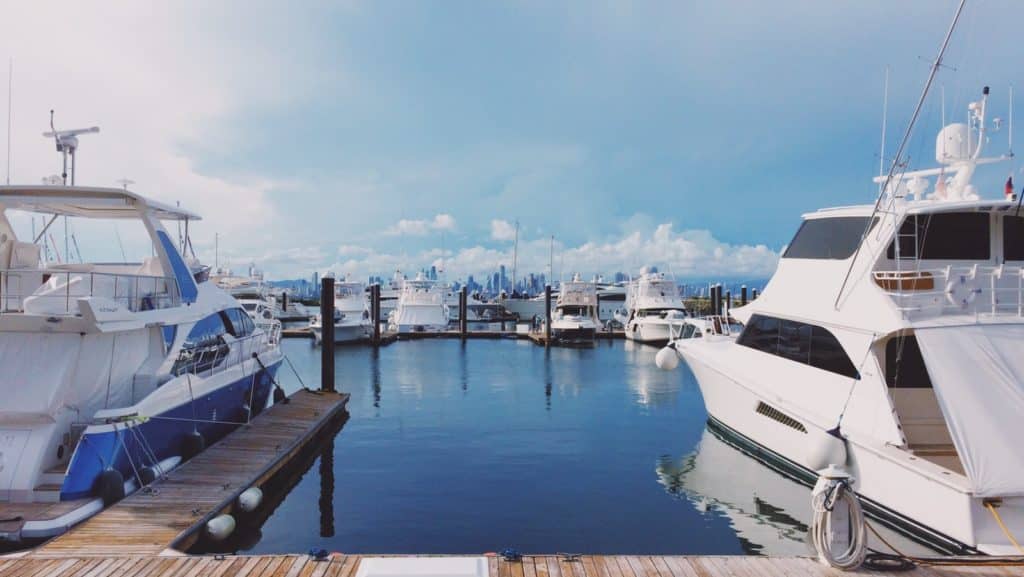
(56, 292)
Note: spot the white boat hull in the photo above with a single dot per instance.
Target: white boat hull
(896, 489)
(345, 333)
(649, 331)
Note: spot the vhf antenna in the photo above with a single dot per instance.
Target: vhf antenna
(67, 144)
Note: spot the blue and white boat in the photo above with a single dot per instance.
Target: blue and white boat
(113, 373)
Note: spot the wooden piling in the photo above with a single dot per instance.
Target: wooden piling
(463, 313)
(327, 334)
(547, 315)
(728, 302)
(375, 311)
(743, 295)
(753, 295)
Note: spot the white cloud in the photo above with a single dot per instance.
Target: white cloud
(441, 222)
(689, 254)
(502, 230)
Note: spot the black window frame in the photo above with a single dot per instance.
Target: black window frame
(941, 236)
(829, 238)
(800, 342)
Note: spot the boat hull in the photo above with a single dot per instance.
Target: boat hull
(654, 333)
(893, 493)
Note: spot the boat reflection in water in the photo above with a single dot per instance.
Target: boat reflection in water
(769, 512)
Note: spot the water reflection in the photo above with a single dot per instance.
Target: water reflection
(375, 377)
(651, 388)
(764, 508)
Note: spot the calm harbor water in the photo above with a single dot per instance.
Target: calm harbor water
(471, 447)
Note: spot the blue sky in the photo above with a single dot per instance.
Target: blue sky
(685, 134)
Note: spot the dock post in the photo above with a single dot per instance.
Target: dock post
(713, 300)
(743, 295)
(327, 334)
(375, 311)
(463, 313)
(547, 315)
(728, 302)
(753, 295)
(284, 302)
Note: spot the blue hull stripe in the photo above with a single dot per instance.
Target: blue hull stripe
(164, 437)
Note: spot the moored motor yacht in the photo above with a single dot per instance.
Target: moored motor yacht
(574, 320)
(116, 372)
(888, 343)
(351, 314)
(653, 307)
(421, 307)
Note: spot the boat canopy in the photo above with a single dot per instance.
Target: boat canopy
(88, 202)
(977, 372)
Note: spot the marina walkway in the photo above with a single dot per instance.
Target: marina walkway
(531, 566)
(174, 512)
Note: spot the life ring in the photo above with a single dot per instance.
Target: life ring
(962, 291)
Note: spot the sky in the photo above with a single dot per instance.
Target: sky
(362, 137)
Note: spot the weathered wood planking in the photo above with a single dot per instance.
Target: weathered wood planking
(146, 523)
(339, 565)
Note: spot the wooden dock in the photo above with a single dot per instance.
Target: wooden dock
(338, 565)
(173, 511)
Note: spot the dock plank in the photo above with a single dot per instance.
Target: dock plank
(346, 566)
(146, 523)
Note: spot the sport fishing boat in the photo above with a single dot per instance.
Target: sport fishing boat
(888, 343)
(351, 314)
(574, 320)
(115, 372)
(421, 307)
(654, 306)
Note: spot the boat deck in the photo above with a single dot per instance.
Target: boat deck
(172, 512)
(338, 565)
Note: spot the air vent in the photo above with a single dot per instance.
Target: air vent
(777, 415)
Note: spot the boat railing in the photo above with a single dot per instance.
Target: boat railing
(56, 291)
(968, 289)
(219, 356)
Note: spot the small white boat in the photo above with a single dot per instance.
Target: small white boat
(654, 306)
(421, 307)
(351, 315)
(574, 320)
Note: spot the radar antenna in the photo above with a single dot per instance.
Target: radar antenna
(67, 144)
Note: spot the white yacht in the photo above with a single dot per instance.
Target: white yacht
(115, 372)
(351, 314)
(421, 307)
(251, 292)
(654, 306)
(889, 342)
(574, 320)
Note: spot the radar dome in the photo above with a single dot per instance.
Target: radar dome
(952, 144)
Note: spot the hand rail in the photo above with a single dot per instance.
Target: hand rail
(237, 352)
(56, 292)
(966, 289)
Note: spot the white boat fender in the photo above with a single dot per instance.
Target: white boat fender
(667, 359)
(153, 472)
(110, 486)
(220, 527)
(250, 499)
(826, 448)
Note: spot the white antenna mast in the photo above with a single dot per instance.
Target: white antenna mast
(515, 257)
(10, 84)
(885, 115)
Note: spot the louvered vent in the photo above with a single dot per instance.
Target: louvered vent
(777, 415)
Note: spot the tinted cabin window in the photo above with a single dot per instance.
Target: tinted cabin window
(799, 342)
(944, 236)
(904, 365)
(1013, 237)
(204, 347)
(828, 238)
(241, 323)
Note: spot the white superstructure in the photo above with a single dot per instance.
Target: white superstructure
(421, 307)
(653, 305)
(351, 314)
(574, 320)
(899, 327)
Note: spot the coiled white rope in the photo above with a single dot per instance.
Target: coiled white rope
(831, 491)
